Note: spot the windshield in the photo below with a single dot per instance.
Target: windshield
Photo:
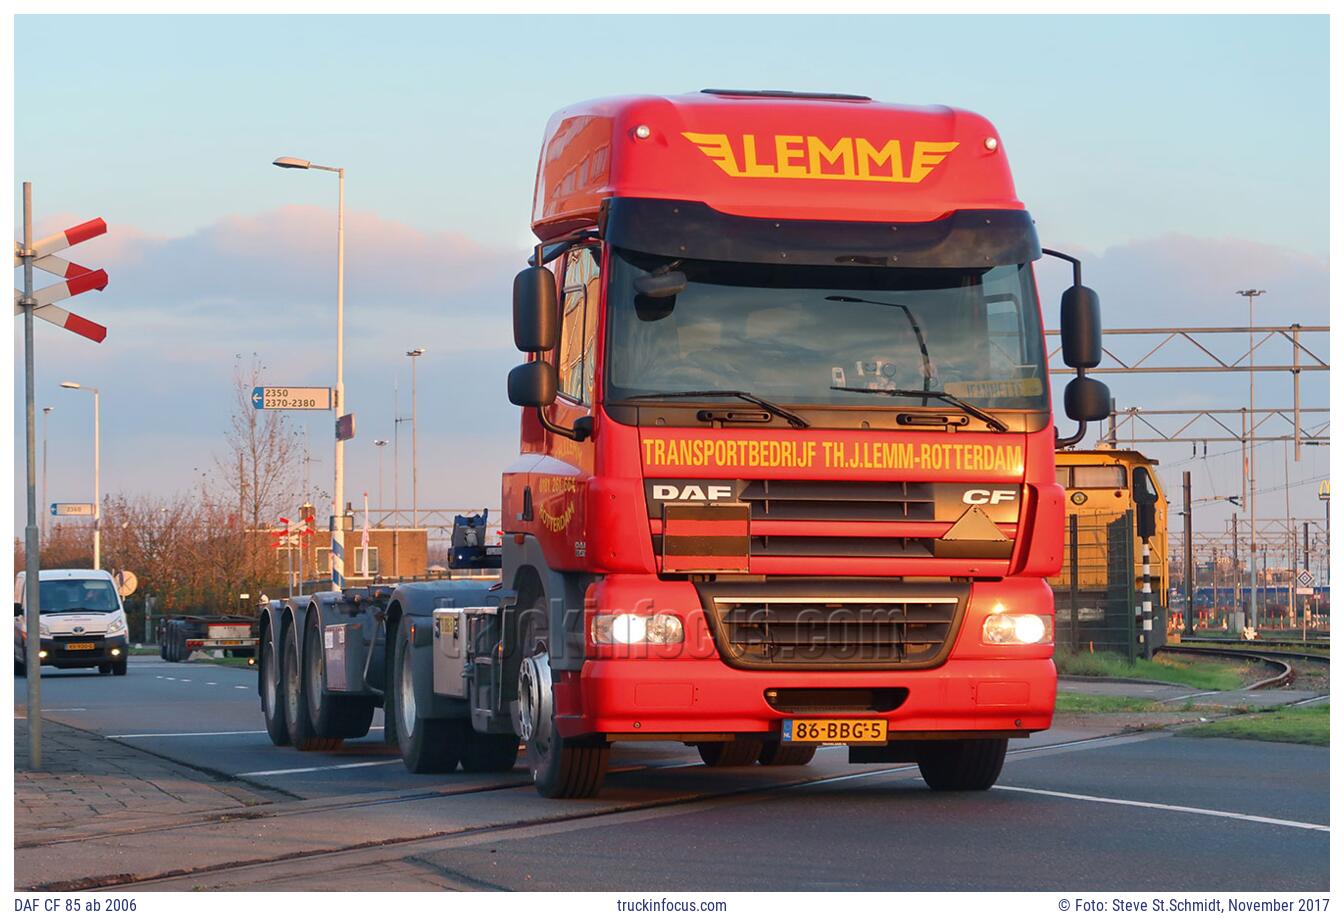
(79, 595)
(794, 334)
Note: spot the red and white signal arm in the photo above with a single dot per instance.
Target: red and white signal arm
(75, 279)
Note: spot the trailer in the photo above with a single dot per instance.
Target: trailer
(236, 636)
(786, 470)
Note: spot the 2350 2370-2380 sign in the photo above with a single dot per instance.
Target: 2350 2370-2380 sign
(291, 397)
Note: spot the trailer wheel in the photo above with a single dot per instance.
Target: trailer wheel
(486, 753)
(119, 668)
(272, 691)
(426, 745)
(332, 716)
(736, 753)
(963, 766)
(181, 651)
(168, 643)
(298, 722)
(775, 754)
(562, 768)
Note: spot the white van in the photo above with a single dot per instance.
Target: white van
(83, 622)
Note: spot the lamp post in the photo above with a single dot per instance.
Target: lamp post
(1250, 294)
(46, 509)
(97, 491)
(338, 499)
(415, 456)
(380, 443)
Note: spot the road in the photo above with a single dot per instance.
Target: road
(1150, 811)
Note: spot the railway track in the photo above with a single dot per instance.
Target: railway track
(1281, 660)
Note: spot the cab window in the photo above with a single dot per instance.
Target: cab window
(578, 325)
(1099, 477)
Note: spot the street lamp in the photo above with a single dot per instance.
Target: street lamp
(1250, 294)
(338, 500)
(97, 492)
(46, 411)
(380, 443)
(415, 456)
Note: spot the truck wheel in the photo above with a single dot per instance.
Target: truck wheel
(562, 768)
(736, 753)
(963, 766)
(169, 641)
(119, 668)
(774, 754)
(272, 692)
(298, 722)
(483, 753)
(181, 652)
(332, 716)
(163, 641)
(426, 745)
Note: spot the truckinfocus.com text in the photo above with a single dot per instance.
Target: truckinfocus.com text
(653, 905)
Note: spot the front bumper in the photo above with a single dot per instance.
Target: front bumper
(106, 650)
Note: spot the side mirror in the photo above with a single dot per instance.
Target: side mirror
(1087, 399)
(1080, 327)
(532, 384)
(535, 320)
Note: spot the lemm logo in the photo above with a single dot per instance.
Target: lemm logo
(797, 156)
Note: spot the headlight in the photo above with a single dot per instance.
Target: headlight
(632, 628)
(1018, 629)
(117, 626)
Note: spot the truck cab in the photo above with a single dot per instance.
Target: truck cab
(82, 621)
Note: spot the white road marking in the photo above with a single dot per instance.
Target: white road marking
(1186, 809)
(66, 710)
(170, 678)
(211, 683)
(189, 734)
(342, 766)
(185, 680)
(240, 686)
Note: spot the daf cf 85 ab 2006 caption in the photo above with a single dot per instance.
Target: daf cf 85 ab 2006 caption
(786, 472)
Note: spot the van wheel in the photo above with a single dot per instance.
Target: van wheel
(272, 690)
(963, 766)
(119, 668)
(774, 754)
(483, 753)
(104, 669)
(332, 716)
(736, 753)
(20, 669)
(562, 768)
(426, 745)
(298, 722)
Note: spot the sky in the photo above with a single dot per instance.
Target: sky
(1183, 157)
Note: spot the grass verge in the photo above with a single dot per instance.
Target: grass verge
(1296, 725)
(1202, 674)
(1091, 702)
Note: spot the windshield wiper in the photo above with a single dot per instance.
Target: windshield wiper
(948, 398)
(797, 421)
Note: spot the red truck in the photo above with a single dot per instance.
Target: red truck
(786, 472)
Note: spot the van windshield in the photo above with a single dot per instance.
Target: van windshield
(79, 595)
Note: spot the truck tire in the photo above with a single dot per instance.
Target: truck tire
(119, 668)
(302, 733)
(562, 768)
(775, 754)
(168, 642)
(483, 753)
(426, 745)
(963, 766)
(736, 753)
(331, 715)
(272, 689)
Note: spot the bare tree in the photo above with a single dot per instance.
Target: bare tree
(263, 458)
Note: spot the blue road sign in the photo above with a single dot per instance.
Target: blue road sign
(258, 397)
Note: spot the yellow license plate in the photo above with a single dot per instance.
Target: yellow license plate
(835, 731)
(78, 646)
(231, 642)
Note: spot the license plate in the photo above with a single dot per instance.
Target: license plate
(78, 646)
(231, 642)
(835, 731)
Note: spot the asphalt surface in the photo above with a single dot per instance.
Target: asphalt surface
(1145, 812)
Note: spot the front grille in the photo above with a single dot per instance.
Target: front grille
(866, 547)
(822, 500)
(827, 632)
(835, 700)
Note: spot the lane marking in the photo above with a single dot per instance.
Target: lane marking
(1189, 696)
(240, 686)
(1185, 809)
(211, 683)
(342, 766)
(66, 710)
(188, 734)
(185, 680)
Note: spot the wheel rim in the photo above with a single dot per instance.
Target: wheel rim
(406, 698)
(268, 681)
(535, 702)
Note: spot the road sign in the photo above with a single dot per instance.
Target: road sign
(291, 398)
(1305, 578)
(345, 427)
(76, 279)
(126, 582)
(76, 509)
(1306, 591)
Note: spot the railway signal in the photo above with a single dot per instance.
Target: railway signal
(75, 279)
